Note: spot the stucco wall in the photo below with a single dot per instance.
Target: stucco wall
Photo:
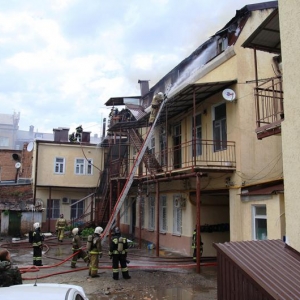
(289, 12)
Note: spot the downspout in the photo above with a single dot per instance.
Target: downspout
(256, 96)
(35, 172)
(157, 219)
(50, 209)
(198, 186)
(194, 126)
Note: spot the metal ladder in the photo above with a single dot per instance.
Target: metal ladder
(129, 181)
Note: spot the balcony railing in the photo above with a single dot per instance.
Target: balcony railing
(269, 107)
(210, 154)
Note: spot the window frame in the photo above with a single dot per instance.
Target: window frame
(255, 217)
(59, 165)
(219, 125)
(163, 213)
(151, 212)
(79, 211)
(177, 217)
(54, 208)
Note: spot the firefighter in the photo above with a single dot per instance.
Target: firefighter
(60, 226)
(37, 244)
(77, 248)
(9, 275)
(155, 104)
(95, 251)
(194, 245)
(118, 253)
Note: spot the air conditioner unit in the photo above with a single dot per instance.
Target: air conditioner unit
(65, 200)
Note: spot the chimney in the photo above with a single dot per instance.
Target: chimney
(144, 86)
(85, 136)
(61, 134)
(31, 128)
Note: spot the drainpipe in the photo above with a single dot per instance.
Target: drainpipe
(194, 126)
(157, 218)
(35, 172)
(198, 186)
(50, 209)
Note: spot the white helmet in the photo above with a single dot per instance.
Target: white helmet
(75, 231)
(98, 230)
(36, 225)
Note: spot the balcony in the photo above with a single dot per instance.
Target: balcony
(269, 107)
(210, 155)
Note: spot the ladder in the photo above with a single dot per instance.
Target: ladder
(129, 180)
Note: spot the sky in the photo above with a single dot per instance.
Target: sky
(61, 60)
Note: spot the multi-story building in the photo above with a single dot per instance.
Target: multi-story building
(204, 164)
(65, 177)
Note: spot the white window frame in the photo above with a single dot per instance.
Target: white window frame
(255, 218)
(59, 166)
(54, 209)
(151, 210)
(177, 217)
(163, 214)
(219, 127)
(83, 166)
(198, 135)
(79, 166)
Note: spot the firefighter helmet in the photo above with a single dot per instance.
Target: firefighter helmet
(117, 230)
(98, 230)
(75, 231)
(36, 225)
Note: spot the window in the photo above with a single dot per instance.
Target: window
(53, 208)
(163, 146)
(222, 44)
(163, 214)
(89, 167)
(198, 135)
(219, 127)
(59, 167)
(4, 141)
(151, 200)
(79, 166)
(77, 210)
(126, 208)
(152, 145)
(83, 166)
(260, 222)
(177, 217)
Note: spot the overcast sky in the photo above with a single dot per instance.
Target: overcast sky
(61, 60)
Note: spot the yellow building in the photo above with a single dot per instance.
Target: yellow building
(205, 163)
(65, 178)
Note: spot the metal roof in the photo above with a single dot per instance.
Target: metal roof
(183, 100)
(275, 187)
(115, 101)
(271, 265)
(267, 36)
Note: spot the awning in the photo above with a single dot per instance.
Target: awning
(267, 36)
(183, 100)
(116, 101)
(263, 190)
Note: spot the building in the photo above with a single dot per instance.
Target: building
(205, 164)
(65, 178)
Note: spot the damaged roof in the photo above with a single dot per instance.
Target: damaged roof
(267, 36)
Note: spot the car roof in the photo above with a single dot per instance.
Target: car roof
(45, 291)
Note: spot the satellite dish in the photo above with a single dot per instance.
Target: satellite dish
(228, 95)
(18, 165)
(30, 147)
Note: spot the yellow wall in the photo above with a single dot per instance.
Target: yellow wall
(289, 12)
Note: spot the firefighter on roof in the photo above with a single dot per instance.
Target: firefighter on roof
(155, 104)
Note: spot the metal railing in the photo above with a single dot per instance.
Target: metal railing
(182, 156)
(269, 102)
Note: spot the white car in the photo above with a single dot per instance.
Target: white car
(44, 291)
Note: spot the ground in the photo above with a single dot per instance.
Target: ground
(168, 276)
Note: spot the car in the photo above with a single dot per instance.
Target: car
(45, 291)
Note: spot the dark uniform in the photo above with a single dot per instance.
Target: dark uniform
(77, 248)
(194, 245)
(95, 252)
(37, 244)
(9, 275)
(118, 253)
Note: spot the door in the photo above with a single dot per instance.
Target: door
(14, 224)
